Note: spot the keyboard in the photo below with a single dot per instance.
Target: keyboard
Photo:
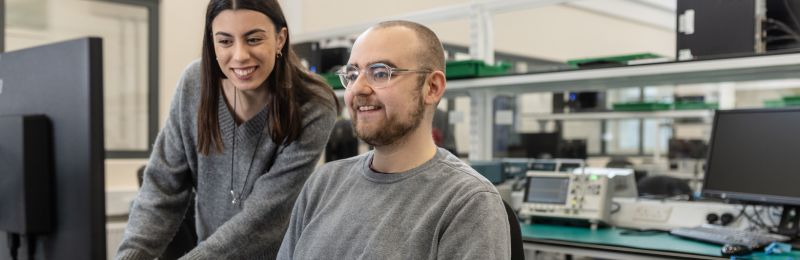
(727, 235)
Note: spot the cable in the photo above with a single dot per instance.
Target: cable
(31, 241)
(13, 244)
(789, 34)
(750, 220)
(786, 33)
(780, 38)
(613, 210)
(791, 13)
(753, 219)
(758, 215)
(783, 28)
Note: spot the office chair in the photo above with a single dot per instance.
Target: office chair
(516, 235)
(664, 187)
(342, 143)
(186, 238)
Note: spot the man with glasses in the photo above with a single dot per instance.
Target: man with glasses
(406, 198)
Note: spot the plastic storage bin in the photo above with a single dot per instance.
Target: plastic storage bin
(695, 105)
(333, 80)
(474, 68)
(642, 106)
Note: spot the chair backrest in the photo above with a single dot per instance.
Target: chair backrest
(516, 235)
(664, 186)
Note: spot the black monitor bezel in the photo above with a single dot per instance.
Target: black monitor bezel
(68, 76)
(742, 197)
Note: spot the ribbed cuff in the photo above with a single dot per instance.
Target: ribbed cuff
(194, 254)
(133, 255)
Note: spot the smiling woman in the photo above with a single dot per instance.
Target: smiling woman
(245, 130)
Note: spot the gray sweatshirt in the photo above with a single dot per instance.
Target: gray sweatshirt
(252, 229)
(442, 209)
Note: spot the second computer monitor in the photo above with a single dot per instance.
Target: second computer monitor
(755, 156)
(541, 145)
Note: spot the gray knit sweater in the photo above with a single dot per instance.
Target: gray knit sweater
(251, 230)
(442, 209)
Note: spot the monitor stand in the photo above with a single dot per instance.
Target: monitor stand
(790, 221)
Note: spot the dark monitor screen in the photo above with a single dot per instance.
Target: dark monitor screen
(572, 149)
(754, 156)
(541, 145)
(63, 82)
(550, 190)
(687, 148)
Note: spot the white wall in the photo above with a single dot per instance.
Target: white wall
(558, 32)
(181, 38)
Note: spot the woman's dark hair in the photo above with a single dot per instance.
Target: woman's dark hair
(289, 85)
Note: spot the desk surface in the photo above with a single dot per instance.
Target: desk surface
(648, 242)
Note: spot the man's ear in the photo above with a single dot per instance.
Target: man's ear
(435, 87)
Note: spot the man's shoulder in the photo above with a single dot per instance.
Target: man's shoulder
(462, 177)
(339, 168)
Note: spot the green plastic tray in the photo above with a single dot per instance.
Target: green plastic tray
(474, 68)
(642, 106)
(619, 60)
(695, 105)
(792, 99)
(775, 103)
(333, 80)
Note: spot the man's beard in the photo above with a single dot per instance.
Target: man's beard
(394, 130)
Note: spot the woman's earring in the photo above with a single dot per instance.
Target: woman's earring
(279, 55)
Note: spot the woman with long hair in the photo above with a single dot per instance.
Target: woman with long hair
(245, 129)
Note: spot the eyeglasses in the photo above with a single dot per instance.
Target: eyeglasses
(378, 74)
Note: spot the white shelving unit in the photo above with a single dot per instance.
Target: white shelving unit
(622, 115)
(482, 90)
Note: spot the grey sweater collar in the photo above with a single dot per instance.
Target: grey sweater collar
(247, 130)
(377, 177)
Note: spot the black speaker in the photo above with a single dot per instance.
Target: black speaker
(716, 28)
(309, 54)
(333, 58)
(26, 172)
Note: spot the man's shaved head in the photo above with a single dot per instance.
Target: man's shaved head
(431, 53)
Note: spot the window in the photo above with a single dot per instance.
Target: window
(129, 29)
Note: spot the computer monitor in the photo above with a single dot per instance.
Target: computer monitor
(754, 157)
(687, 149)
(63, 82)
(572, 149)
(541, 145)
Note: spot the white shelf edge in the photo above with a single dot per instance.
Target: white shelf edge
(621, 115)
(781, 66)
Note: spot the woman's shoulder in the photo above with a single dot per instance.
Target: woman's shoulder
(191, 73)
(321, 98)
(190, 80)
